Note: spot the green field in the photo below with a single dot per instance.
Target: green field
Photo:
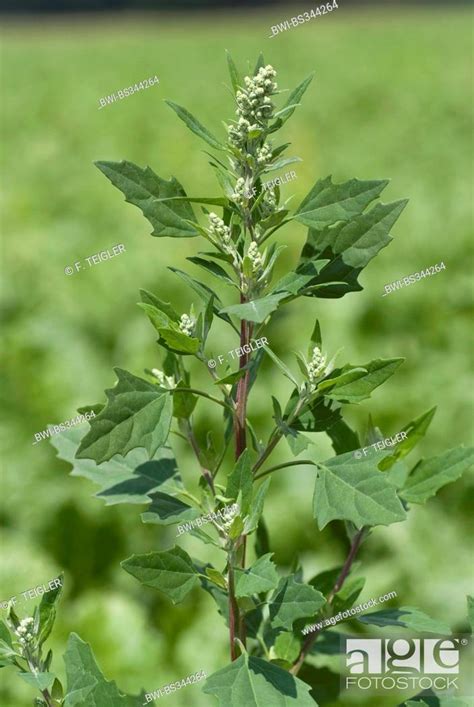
(389, 99)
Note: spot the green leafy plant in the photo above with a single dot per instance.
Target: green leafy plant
(22, 646)
(128, 450)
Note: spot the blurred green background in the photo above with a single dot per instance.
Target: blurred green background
(388, 100)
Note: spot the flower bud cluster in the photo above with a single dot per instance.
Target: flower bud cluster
(186, 324)
(269, 204)
(165, 381)
(317, 365)
(270, 200)
(254, 105)
(219, 230)
(255, 257)
(25, 631)
(264, 155)
(241, 194)
(239, 133)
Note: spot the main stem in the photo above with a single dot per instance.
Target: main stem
(242, 388)
(236, 620)
(234, 614)
(346, 568)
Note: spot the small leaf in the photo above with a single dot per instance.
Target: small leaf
(47, 610)
(355, 490)
(262, 576)
(157, 318)
(353, 384)
(253, 682)
(293, 100)
(171, 572)
(178, 342)
(256, 510)
(240, 482)
(407, 617)
(348, 594)
(429, 475)
(137, 415)
(195, 126)
(297, 442)
(183, 402)
(233, 377)
(316, 338)
(260, 64)
(415, 430)
(165, 307)
(283, 368)
(287, 647)
(41, 681)
(57, 691)
(145, 189)
(235, 77)
(283, 162)
(5, 634)
(256, 310)
(293, 600)
(7, 652)
(216, 577)
(236, 528)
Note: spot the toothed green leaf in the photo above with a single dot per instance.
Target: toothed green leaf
(138, 414)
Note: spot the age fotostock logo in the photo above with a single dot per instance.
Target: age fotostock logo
(381, 664)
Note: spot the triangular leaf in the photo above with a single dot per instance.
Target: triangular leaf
(138, 414)
(259, 577)
(256, 310)
(253, 682)
(145, 189)
(293, 600)
(355, 490)
(40, 681)
(171, 572)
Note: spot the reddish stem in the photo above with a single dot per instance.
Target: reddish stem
(237, 621)
(356, 541)
(234, 614)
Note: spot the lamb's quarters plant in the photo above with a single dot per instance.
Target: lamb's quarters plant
(128, 449)
(22, 645)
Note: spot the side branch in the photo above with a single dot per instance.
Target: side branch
(306, 647)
